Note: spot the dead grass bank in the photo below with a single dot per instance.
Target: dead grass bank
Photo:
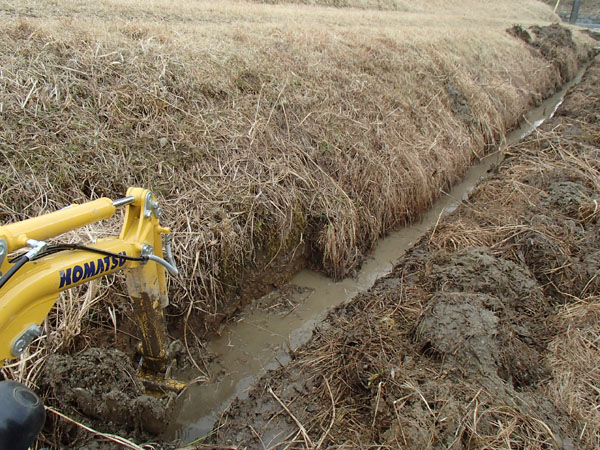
(484, 335)
(522, 11)
(257, 129)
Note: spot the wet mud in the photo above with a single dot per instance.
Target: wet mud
(102, 384)
(456, 347)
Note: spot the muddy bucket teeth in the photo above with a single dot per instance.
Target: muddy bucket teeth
(157, 384)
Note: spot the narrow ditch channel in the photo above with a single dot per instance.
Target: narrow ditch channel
(265, 335)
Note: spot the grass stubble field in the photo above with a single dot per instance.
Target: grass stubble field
(275, 136)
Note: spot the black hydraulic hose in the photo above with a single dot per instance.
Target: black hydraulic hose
(18, 263)
(51, 249)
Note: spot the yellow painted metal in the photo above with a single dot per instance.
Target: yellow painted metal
(28, 296)
(53, 224)
(137, 227)
(160, 385)
(146, 283)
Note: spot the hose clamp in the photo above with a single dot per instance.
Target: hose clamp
(147, 250)
(36, 248)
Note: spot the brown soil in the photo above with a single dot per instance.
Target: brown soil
(102, 384)
(481, 337)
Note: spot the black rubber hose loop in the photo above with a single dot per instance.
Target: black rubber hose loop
(18, 263)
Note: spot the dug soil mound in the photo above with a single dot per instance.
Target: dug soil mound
(483, 336)
(103, 385)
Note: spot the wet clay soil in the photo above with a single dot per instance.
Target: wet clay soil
(454, 347)
(96, 373)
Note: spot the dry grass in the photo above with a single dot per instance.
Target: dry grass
(249, 156)
(376, 376)
(574, 359)
(521, 11)
(373, 376)
(259, 127)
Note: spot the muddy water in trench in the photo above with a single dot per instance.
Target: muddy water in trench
(263, 335)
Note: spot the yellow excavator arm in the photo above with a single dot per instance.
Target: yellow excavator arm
(30, 283)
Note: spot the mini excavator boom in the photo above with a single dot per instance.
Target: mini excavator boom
(30, 283)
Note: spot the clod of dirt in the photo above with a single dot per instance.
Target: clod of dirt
(519, 32)
(460, 105)
(553, 42)
(561, 243)
(553, 36)
(477, 270)
(465, 331)
(473, 320)
(461, 329)
(566, 197)
(102, 384)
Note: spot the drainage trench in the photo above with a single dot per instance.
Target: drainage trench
(262, 336)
